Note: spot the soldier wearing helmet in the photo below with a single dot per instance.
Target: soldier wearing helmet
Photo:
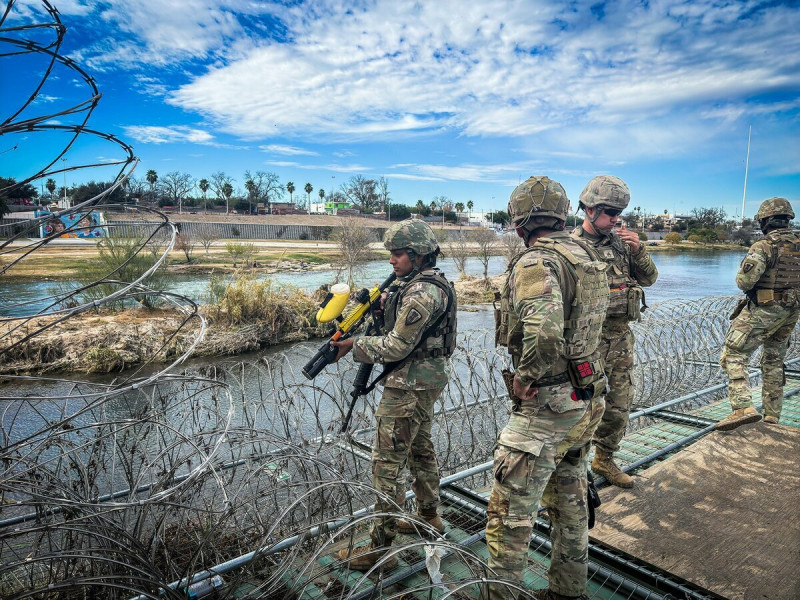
(770, 278)
(420, 321)
(630, 268)
(551, 310)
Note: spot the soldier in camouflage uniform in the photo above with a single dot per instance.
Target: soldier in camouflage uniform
(420, 318)
(551, 310)
(630, 268)
(770, 277)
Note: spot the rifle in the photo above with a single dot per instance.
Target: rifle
(366, 302)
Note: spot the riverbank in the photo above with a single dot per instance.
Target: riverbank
(249, 315)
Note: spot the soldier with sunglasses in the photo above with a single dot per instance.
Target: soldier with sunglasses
(630, 268)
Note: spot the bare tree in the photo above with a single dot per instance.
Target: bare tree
(353, 240)
(512, 245)
(176, 186)
(208, 236)
(137, 188)
(486, 239)
(383, 192)
(185, 243)
(458, 250)
(222, 183)
(362, 192)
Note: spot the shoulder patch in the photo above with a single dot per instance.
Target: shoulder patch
(747, 267)
(413, 316)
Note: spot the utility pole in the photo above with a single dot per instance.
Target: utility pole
(64, 160)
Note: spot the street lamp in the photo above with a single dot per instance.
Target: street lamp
(64, 160)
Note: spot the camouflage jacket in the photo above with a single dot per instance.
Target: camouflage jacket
(419, 306)
(539, 287)
(762, 257)
(627, 271)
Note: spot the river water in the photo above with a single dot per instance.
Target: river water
(681, 276)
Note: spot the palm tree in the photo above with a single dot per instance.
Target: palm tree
(433, 206)
(227, 192)
(204, 185)
(459, 207)
(420, 206)
(290, 188)
(152, 177)
(51, 187)
(250, 186)
(470, 204)
(309, 188)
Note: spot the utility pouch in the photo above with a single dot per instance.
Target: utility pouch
(635, 297)
(765, 297)
(585, 373)
(500, 328)
(736, 338)
(508, 379)
(592, 497)
(739, 308)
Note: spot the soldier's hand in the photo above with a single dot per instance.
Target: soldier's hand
(343, 347)
(631, 238)
(526, 392)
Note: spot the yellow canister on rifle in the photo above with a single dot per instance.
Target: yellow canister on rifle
(334, 303)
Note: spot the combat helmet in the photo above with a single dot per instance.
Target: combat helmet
(411, 234)
(773, 208)
(605, 190)
(538, 202)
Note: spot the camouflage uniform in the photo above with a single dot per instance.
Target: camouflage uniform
(405, 412)
(627, 271)
(770, 276)
(542, 453)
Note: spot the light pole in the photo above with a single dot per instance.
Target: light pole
(64, 160)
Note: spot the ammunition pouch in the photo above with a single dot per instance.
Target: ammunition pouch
(635, 301)
(587, 378)
(739, 308)
(768, 297)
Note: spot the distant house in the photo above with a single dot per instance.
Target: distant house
(333, 208)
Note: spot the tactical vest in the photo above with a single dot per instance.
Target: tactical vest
(585, 297)
(625, 293)
(783, 272)
(440, 337)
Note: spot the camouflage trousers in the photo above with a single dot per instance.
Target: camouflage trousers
(616, 350)
(541, 455)
(770, 326)
(403, 439)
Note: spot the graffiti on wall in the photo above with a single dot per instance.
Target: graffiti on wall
(73, 225)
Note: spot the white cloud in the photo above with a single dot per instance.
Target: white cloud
(149, 134)
(290, 150)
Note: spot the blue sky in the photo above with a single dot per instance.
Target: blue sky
(457, 99)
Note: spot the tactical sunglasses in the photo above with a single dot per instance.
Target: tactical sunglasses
(611, 212)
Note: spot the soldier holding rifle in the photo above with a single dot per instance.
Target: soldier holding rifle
(420, 321)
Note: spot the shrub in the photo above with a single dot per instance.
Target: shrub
(642, 236)
(673, 238)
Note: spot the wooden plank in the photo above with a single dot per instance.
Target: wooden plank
(723, 514)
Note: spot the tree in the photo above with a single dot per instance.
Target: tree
(512, 245)
(175, 187)
(209, 235)
(487, 247)
(353, 240)
(308, 188)
(267, 187)
(420, 206)
(383, 192)
(321, 193)
(204, 185)
(501, 217)
(400, 212)
(221, 183)
(86, 191)
(362, 192)
(458, 250)
(459, 207)
(673, 238)
(290, 188)
(709, 218)
(470, 204)
(51, 186)
(152, 178)
(12, 193)
(185, 244)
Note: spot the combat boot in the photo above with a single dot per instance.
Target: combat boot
(771, 420)
(548, 594)
(603, 464)
(412, 528)
(740, 416)
(366, 557)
